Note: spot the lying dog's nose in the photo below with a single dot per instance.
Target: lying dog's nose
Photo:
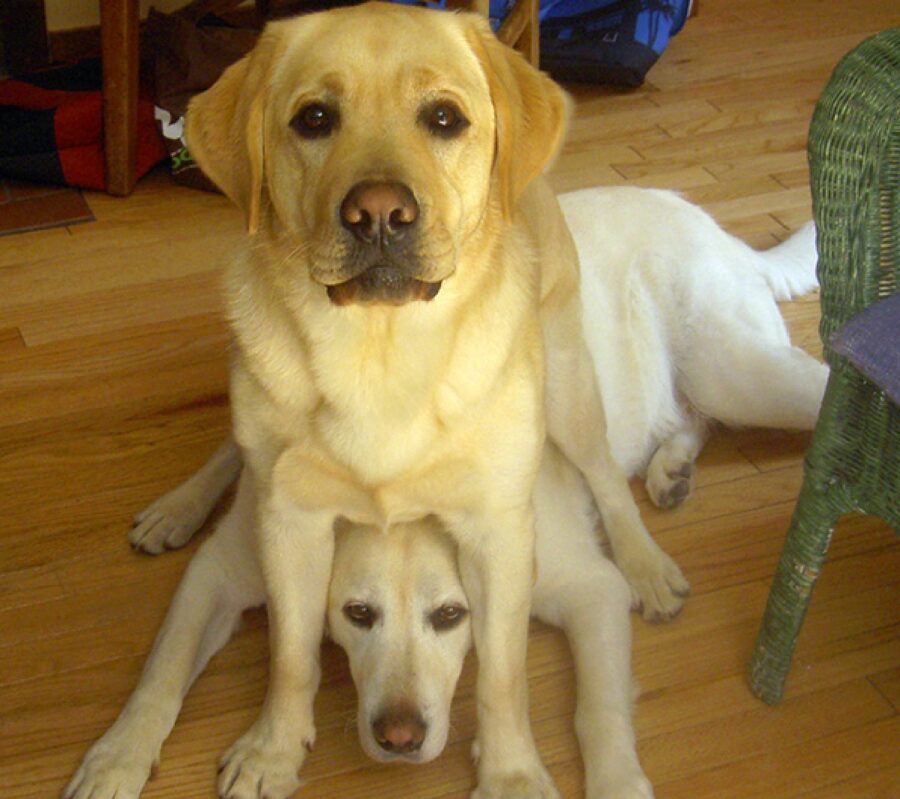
(400, 730)
(379, 211)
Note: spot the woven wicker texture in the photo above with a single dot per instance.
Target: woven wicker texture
(853, 464)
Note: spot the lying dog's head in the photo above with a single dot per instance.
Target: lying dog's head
(371, 143)
(397, 607)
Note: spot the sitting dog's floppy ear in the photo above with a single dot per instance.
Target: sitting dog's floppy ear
(531, 113)
(224, 128)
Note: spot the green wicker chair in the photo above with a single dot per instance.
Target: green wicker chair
(853, 464)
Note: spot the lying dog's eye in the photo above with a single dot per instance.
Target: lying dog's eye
(314, 121)
(360, 614)
(446, 617)
(444, 119)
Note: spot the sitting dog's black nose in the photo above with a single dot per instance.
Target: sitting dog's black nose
(400, 730)
(379, 211)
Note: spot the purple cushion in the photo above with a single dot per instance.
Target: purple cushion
(871, 342)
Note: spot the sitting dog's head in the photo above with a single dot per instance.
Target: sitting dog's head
(397, 607)
(371, 143)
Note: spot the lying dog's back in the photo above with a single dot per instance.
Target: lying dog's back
(668, 297)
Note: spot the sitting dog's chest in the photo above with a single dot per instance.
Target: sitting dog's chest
(379, 413)
(376, 441)
(386, 416)
(382, 462)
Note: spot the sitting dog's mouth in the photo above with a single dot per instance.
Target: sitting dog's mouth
(382, 285)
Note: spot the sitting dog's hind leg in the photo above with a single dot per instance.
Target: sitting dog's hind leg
(671, 469)
(171, 521)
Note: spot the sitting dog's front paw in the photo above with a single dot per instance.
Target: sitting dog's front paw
(530, 784)
(657, 585)
(107, 773)
(254, 768)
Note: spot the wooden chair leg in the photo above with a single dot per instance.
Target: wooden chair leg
(522, 30)
(804, 553)
(119, 44)
(530, 42)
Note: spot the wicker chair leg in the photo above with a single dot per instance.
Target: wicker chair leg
(801, 561)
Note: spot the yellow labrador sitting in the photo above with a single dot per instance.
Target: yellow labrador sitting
(406, 311)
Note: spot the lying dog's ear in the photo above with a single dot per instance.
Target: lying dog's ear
(531, 113)
(224, 128)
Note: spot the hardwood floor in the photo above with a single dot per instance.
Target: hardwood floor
(112, 389)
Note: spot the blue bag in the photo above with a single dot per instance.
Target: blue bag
(607, 41)
(598, 41)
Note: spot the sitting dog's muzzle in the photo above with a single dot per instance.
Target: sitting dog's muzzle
(382, 217)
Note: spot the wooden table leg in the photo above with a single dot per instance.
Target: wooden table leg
(119, 43)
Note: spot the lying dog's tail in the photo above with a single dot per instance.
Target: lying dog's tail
(790, 267)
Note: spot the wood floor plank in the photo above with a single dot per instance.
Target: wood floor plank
(120, 308)
(670, 710)
(11, 340)
(881, 784)
(20, 587)
(50, 381)
(718, 146)
(739, 548)
(732, 114)
(888, 682)
(704, 749)
(794, 768)
(719, 630)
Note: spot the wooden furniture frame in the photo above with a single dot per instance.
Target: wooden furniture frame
(119, 20)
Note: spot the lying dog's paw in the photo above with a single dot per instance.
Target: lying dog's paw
(657, 585)
(254, 769)
(669, 484)
(532, 784)
(107, 774)
(169, 523)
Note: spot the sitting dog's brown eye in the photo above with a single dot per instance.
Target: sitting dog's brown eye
(445, 120)
(360, 614)
(446, 617)
(314, 121)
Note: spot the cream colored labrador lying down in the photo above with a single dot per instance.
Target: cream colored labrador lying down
(683, 327)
